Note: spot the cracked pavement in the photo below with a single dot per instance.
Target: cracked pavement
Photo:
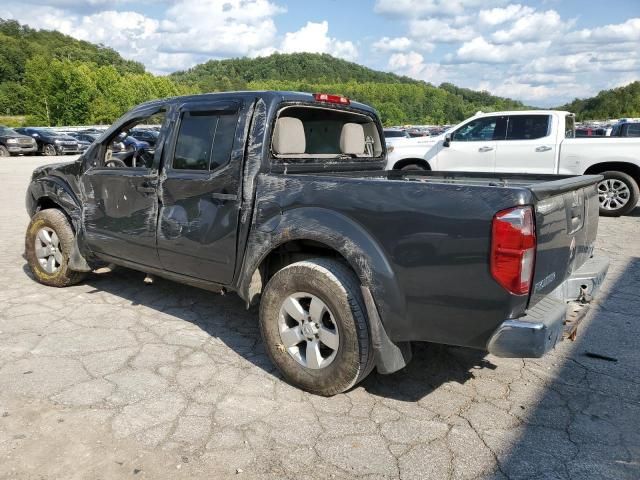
(114, 379)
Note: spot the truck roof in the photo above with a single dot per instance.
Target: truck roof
(524, 112)
(269, 96)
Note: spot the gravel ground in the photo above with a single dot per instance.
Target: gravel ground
(115, 379)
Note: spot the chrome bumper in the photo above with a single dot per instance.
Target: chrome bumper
(537, 332)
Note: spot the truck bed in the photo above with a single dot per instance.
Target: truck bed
(435, 230)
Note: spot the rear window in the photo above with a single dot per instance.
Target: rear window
(527, 127)
(317, 133)
(569, 126)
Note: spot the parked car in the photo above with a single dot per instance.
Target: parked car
(51, 142)
(14, 143)
(145, 135)
(84, 139)
(591, 132)
(286, 202)
(537, 141)
(390, 133)
(626, 128)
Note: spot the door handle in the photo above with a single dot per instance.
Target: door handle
(225, 197)
(543, 148)
(485, 149)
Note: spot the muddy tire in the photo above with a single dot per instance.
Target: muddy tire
(48, 244)
(314, 326)
(618, 194)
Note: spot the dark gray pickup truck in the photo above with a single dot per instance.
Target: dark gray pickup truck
(282, 198)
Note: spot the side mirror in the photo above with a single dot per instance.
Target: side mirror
(447, 140)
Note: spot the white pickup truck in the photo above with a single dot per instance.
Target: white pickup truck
(536, 141)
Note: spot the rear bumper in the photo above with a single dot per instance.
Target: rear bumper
(537, 332)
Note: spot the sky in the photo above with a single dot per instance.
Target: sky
(542, 52)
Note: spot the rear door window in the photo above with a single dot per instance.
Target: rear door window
(204, 141)
(527, 127)
(633, 130)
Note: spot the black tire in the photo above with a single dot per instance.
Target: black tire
(55, 220)
(414, 166)
(4, 152)
(339, 288)
(633, 194)
(49, 150)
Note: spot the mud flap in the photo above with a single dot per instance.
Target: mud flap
(77, 262)
(389, 356)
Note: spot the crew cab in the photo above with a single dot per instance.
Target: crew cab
(283, 198)
(537, 141)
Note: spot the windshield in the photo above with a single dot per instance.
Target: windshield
(46, 131)
(8, 131)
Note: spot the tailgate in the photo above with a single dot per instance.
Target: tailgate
(566, 228)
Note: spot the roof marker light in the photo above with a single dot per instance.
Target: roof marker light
(325, 97)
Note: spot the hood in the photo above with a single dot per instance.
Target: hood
(14, 135)
(50, 168)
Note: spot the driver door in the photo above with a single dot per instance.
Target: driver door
(120, 203)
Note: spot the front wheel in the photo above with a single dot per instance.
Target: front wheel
(49, 150)
(4, 152)
(48, 244)
(314, 326)
(618, 194)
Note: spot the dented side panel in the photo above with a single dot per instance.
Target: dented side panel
(421, 249)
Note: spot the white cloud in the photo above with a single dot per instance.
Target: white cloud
(628, 31)
(422, 8)
(314, 38)
(481, 51)
(398, 44)
(497, 16)
(439, 31)
(533, 27)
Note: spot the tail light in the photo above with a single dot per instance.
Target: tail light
(513, 249)
(325, 97)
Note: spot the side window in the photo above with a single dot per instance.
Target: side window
(481, 130)
(527, 127)
(633, 130)
(204, 141)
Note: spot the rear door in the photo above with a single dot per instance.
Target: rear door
(528, 146)
(200, 193)
(473, 146)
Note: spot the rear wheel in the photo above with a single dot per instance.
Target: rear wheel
(314, 326)
(48, 244)
(618, 194)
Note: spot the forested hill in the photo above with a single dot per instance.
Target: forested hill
(400, 100)
(616, 103)
(54, 79)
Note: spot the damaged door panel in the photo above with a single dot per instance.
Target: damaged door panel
(200, 193)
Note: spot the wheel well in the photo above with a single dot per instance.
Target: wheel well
(45, 203)
(411, 161)
(628, 168)
(286, 254)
